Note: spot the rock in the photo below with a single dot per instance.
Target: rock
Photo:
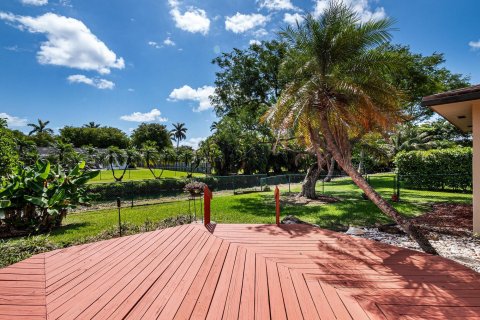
(355, 231)
(292, 220)
(391, 228)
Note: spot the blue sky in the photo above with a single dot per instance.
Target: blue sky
(122, 62)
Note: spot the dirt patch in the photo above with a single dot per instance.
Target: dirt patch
(448, 218)
(321, 200)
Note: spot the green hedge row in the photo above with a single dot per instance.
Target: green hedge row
(437, 169)
(166, 187)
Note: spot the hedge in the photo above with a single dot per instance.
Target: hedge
(437, 169)
(166, 187)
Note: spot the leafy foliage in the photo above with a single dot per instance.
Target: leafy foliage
(436, 169)
(8, 152)
(98, 137)
(155, 132)
(36, 198)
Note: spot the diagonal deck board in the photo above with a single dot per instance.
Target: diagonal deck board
(238, 272)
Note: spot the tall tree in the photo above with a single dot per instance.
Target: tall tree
(40, 127)
(341, 82)
(155, 132)
(179, 132)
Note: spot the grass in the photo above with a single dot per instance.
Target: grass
(260, 208)
(139, 174)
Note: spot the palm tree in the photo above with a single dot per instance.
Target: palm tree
(151, 156)
(92, 124)
(40, 128)
(339, 89)
(114, 156)
(179, 132)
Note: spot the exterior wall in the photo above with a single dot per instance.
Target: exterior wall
(476, 166)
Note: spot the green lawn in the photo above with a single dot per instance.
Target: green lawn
(139, 174)
(260, 208)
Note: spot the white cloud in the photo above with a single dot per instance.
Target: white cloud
(200, 95)
(151, 116)
(154, 44)
(243, 22)
(253, 41)
(69, 43)
(292, 19)
(277, 5)
(168, 42)
(475, 45)
(192, 142)
(193, 20)
(361, 7)
(131, 90)
(94, 82)
(13, 121)
(34, 2)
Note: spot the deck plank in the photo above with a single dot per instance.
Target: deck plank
(238, 271)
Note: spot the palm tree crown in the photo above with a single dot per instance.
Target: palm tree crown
(179, 132)
(41, 127)
(92, 124)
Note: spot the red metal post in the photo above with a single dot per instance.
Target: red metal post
(277, 205)
(207, 197)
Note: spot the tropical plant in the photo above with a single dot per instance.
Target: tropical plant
(36, 198)
(92, 125)
(40, 127)
(151, 158)
(339, 89)
(64, 154)
(113, 157)
(179, 132)
(3, 123)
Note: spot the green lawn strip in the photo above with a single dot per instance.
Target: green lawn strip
(260, 208)
(140, 174)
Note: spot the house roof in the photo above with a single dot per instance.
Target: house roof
(455, 105)
(238, 271)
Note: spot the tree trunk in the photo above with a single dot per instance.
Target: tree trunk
(360, 163)
(346, 164)
(331, 169)
(310, 181)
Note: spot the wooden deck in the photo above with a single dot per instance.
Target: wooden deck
(238, 271)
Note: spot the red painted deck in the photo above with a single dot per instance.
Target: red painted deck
(238, 271)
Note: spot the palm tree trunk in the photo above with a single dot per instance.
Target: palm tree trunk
(113, 172)
(310, 181)
(346, 164)
(360, 163)
(331, 170)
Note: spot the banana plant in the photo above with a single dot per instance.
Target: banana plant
(37, 197)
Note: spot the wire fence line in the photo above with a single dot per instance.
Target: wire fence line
(156, 191)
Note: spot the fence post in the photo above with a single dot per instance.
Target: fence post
(207, 197)
(277, 205)
(119, 216)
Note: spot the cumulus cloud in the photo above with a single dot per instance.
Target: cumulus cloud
(13, 121)
(151, 116)
(253, 41)
(292, 19)
(193, 20)
(240, 23)
(94, 82)
(361, 7)
(34, 2)
(169, 42)
(69, 43)
(200, 95)
(475, 45)
(277, 5)
(192, 142)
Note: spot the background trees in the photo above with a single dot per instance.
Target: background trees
(98, 137)
(154, 132)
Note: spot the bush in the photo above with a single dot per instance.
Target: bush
(8, 152)
(437, 169)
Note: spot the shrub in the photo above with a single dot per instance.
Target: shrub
(36, 198)
(436, 169)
